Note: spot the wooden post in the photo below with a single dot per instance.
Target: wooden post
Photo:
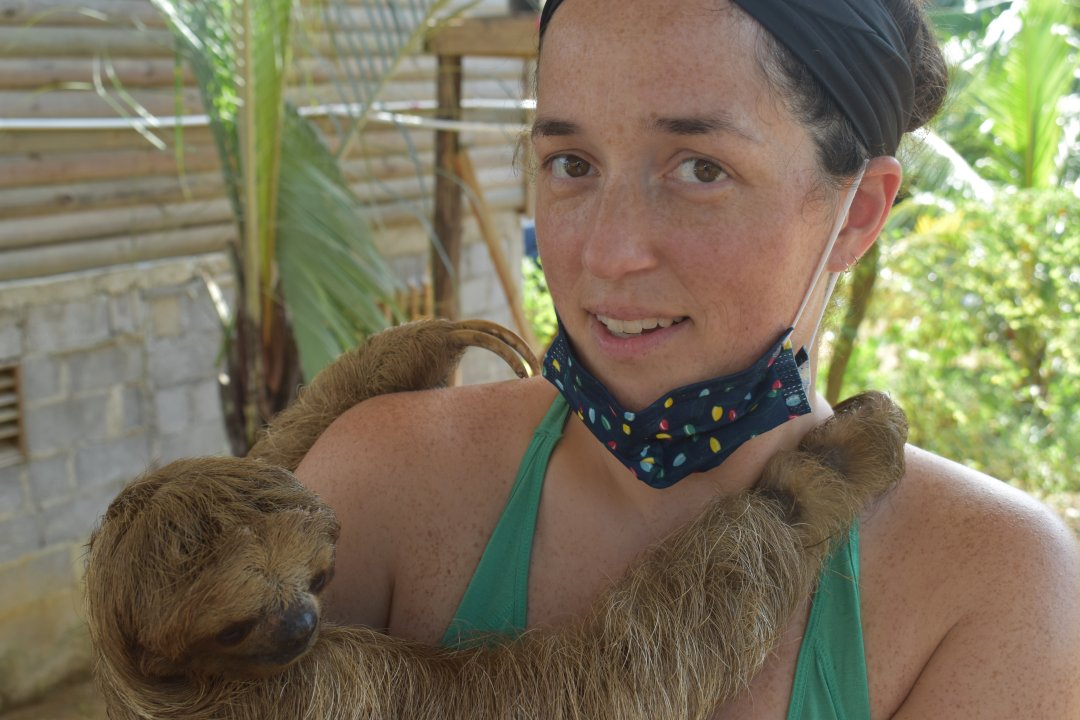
(528, 186)
(488, 37)
(446, 267)
(490, 233)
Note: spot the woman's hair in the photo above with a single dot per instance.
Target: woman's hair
(840, 152)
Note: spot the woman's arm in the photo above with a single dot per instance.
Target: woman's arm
(349, 469)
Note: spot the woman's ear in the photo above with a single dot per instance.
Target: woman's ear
(869, 210)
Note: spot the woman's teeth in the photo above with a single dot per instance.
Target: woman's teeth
(632, 328)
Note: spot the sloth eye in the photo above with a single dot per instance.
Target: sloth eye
(319, 582)
(235, 633)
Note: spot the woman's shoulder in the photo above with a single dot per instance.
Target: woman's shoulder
(965, 576)
(451, 418)
(941, 504)
(408, 473)
(413, 442)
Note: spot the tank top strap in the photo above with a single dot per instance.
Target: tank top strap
(830, 677)
(496, 600)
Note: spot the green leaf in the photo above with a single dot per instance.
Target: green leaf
(1020, 91)
(300, 221)
(334, 280)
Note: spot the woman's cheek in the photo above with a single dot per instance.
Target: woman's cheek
(557, 259)
(562, 219)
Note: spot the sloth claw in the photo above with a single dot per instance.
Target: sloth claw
(499, 340)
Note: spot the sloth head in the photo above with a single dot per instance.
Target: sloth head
(209, 567)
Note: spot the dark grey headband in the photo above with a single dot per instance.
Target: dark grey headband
(852, 47)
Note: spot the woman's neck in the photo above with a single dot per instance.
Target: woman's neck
(682, 501)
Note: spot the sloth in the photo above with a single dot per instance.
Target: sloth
(414, 356)
(203, 580)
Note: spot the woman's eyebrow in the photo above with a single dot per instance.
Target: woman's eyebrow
(549, 127)
(699, 125)
(703, 125)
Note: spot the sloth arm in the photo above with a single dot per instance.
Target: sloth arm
(1008, 571)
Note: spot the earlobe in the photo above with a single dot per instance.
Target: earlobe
(869, 210)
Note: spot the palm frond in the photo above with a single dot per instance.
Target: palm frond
(966, 18)
(1031, 68)
(205, 41)
(369, 47)
(933, 165)
(334, 280)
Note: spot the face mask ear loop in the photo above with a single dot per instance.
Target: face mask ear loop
(805, 371)
(840, 219)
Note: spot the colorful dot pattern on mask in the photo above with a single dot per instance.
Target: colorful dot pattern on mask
(690, 429)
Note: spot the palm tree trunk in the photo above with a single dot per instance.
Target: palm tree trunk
(862, 289)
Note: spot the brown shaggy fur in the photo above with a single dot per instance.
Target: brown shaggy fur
(203, 583)
(415, 356)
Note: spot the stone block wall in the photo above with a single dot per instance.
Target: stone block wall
(118, 372)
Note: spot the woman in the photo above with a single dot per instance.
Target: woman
(705, 167)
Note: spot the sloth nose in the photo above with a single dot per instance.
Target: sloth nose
(297, 623)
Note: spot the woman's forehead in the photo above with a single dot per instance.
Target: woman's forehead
(648, 63)
(678, 31)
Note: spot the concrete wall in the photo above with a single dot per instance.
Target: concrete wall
(118, 371)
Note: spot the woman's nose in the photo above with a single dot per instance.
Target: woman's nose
(620, 238)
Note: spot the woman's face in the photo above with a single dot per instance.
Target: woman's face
(680, 214)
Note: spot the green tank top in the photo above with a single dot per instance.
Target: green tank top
(830, 677)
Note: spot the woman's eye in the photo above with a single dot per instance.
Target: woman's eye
(569, 166)
(699, 170)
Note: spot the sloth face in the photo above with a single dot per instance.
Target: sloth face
(259, 605)
(213, 567)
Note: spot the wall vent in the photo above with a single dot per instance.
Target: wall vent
(12, 434)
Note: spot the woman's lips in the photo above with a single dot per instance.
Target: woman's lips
(631, 328)
(629, 339)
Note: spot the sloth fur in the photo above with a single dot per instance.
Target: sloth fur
(203, 581)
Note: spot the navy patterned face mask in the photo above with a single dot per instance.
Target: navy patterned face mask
(691, 429)
(696, 427)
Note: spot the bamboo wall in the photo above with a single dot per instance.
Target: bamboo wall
(72, 199)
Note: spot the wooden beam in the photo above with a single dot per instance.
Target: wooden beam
(48, 200)
(83, 41)
(43, 260)
(63, 227)
(24, 13)
(42, 169)
(513, 37)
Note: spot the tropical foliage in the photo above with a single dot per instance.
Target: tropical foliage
(974, 326)
(970, 318)
(538, 306)
(311, 281)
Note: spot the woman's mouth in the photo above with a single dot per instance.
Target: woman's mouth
(638, 327)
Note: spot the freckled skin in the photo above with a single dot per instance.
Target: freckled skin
(737, 257)
(970, 590)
